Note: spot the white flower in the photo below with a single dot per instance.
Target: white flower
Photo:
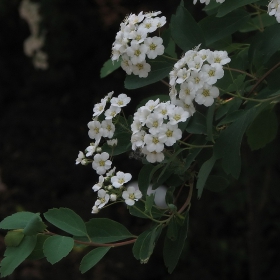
(134, 19)
(95, 130)
(113, 142)
(213, 72)
(197, 79)
(178, 115)
(112, 112)
(113, 197)
(108, 128)
(80, 158)
(172, 132)
(138, 35)
(154, 121)
(206, 95)
(149, 24)
(131, 195)
(220, 57)
(126, 64)
(137, 140)
(121, 101)
(136, 52)
(187, 92)
(103, 199)
(141, 69)
(154, 142)
(120, 179)
(151, 104)
(163, 109)
(94, 210)
(101, 163)
(273, 9)
(153, 156)
(99, 185)
(155, 47)
(111, 172)
(99, 108)
(182, 75)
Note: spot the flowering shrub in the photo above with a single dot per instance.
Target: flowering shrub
(187, 138)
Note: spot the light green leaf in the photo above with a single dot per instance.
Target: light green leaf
(263, 129)
(17, 221)
(229, 6)
(109, 67)
(160, 68)
(203, 174)
(92, 258)
(14, 256)
(145, 243)
(57, 247)
(172, 249)
(67, 220)
(13, 238)
(215, 28)
(185, 31)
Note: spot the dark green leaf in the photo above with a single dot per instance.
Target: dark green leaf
(102, 230)
(144, 178)
(263, 129)
(92, 258)
(228, 144)
(37, 252)
(109, 67)
(57, 247)
(67, 220)
(14, 256)
(209, 122)
(197, 124)
(215, 28)
(172, 229)
(13, 238)
(150, 201)
(185, 31)
(273, 80)
(17, 221)
(228, 107)
(160, 68)
(34, 226)
(229, 6)
(203, 174)
(138, 210)
(145, 243)
(173, 249)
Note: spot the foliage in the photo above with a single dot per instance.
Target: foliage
(208, 156)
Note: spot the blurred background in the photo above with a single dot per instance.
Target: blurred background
(51, 53)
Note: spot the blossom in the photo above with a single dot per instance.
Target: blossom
(101, 163)
(95, 130)
(113, 142)
(206, 95)
(80, 158)
(103, 199)
(108, 128)
(273, 9)
(121, 101)
(131, 195)
(120, 179)
(155, 47)
(99, 185)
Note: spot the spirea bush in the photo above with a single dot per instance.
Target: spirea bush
(188, 138)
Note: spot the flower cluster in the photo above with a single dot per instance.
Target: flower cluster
(111, 188)
(194, 75)
(273, 9)
(208, 1)
(105, 129)
(155, 126)
(132, 43)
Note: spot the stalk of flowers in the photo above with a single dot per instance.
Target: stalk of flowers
(207, 1)
(273, 9)
(194, 76)
(111, 188)
(99, 130)
(155, 127)
(132, 43)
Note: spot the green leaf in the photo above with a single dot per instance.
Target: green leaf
(38, 252)
(229, 6)
(209, 122)
(14, 256)
(237, 83)
(185, 31)
(144, 178)
(173, 249)
(197, 124)
(215, 28)
(145, 243)
(172, 229)
(273, 80)
(169, 196)
(109, 67)
(263, 129)
(203, 174)
(150, 200)
(169, 44)
(13, 238)
(228, 107)
(66, 220)
(160, 68)
(92, 258)
(17, 221)
(34, 226)
(216, 183)
(57, 247)
(102, 230)
(228, 144)
(257, 22)
(264, 45)
(138, 210)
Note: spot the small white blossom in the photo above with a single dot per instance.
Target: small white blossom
(131, 195)
(94, 210)
(155, 46)
(121, 101)
(153, 156)
(141, 69)
(113, 142)
(136, 52)
(101, 163)
(80, 158)
(108, 128)
(95, 130)
(102, 200)
(178, 115)
(206, 95)
(172, 132)
(113, 197)
(99, 185)
(112, 112)
(99, 108)
(120, 179)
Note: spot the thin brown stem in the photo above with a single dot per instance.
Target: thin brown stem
(164, 82)
(188, 200)
(240, 71)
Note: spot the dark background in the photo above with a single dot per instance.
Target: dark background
(43, 125)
